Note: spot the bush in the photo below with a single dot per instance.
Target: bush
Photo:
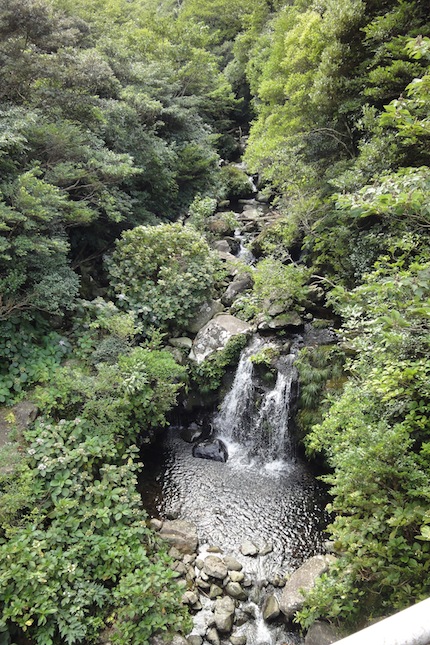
(162, 273)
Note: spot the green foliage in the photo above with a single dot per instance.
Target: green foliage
(31, 354)
(278, 284)
(199, 212)
(207, 376)
(162, 273)
(84, 553)
(235, 183)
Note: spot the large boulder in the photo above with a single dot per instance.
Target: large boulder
(303, 580)
(206, 312)
(216, 450)
(216, 334)
(180, 534)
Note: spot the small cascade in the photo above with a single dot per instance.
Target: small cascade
(257, 418)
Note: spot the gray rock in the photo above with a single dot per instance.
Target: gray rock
(236, 576)
(200, 563)
(206, 312)
(222, 245)
(249, 548)
(212, 636)
(232, 564)
(239, 285)
(174, 553)
(284, 321)
(181, 343)
(181, 534)
(238, 639)
(214, 549)
(190, 598)
(215, 592)
(214, 567)
(213, 449)
(235, 591)
(271, 608)
(155, 524)
(215, 335)
(303, 579)
(194, 639)
(202, 584)
(224, 614)
(321, 633)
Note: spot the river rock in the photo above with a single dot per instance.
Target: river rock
(266, 548)
(215, 567)
(213, 549)
(232, 564)
(238, 639)
(215, 335)
(190, 598)
(212, 636)
(235, 591)
(224, 614)
(215, 450)
(303, 579)
(242, 283)
(215, 592)
(248, 548)
(206, 312)
(236, 576)
(271, 608)
(202, 584)
(180, 534)
(194, 639)
(321, 633)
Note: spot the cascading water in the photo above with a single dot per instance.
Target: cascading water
(258, 424)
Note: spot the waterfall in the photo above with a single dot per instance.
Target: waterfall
(256, 417)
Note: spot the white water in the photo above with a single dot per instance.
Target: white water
(255, 425)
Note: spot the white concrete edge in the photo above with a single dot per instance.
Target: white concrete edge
(408, 627)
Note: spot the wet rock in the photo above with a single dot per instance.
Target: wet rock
(271, 608)
(321, 633)
(215, 567)
(248, 548)
(216, 450)
(180, 534)
(266, 548)
(206, 312)
(232, 564)
(212, 636)
(241, 618)
(236, 576)
(215, 335)
(303, 579)
(238, 639)
(224, 614)
(194, 432)
(181, 343)
(235, 591)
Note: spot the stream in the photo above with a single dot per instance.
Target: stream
(263, 493)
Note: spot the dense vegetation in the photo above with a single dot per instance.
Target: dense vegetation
(114, 115)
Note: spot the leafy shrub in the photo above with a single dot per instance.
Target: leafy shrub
(31, 355)
(162, 273)
(235, 183)
(85, 555)
(200, 210)
(207, 376)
